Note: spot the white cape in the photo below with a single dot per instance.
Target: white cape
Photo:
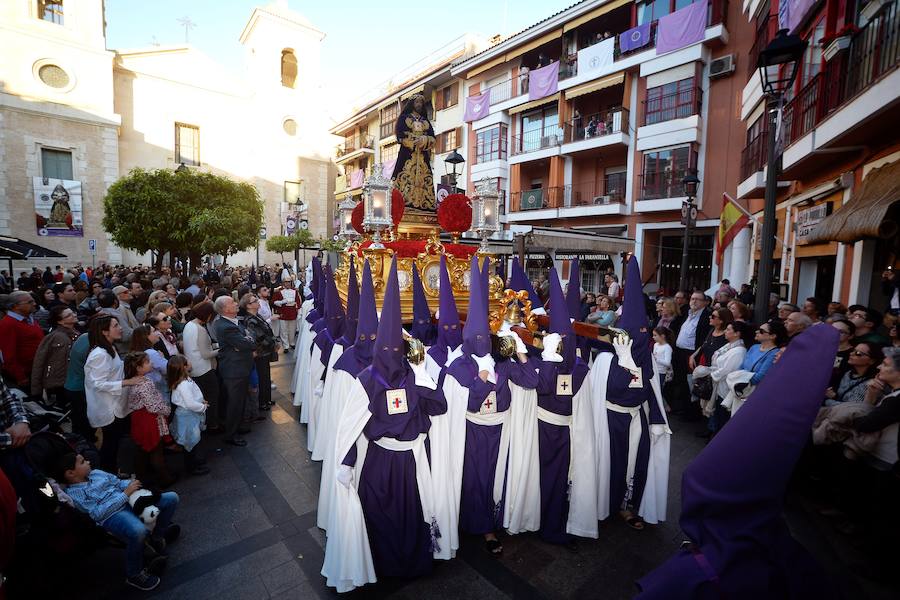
(340, 387)
(324, 418)
(653, 503)
(523, 476)
(301, 366)
(448, 445)
(314, 388)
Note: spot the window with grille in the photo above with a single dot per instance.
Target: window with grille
(389, 152)
(389, 116)
(674, 100)
(447, 141)
(187, 145)
(51, 10)
(56, 164)
(664, 170)
(490, 144)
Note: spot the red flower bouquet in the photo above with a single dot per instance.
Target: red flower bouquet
(454, 214)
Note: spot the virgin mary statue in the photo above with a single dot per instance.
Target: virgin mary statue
(412, 173)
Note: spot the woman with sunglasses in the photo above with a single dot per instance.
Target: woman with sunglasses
(846, 330)
(863, 361)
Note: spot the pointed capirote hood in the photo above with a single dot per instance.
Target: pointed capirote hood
(733, 491)
(573, 293)
(334, 312)
(422, 328)
(349, 334)
(390, 350)
(318, 289)
(476, 333)
(561, 324)
(518, 281)
(367, 320)
(449, 331)
(634, 316)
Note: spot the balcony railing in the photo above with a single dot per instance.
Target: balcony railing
(874, 51)
(673, 106)
(655, 186)
(357, 142)
(614, 120)
(611, 190)
(546, 197)
(340, 184)
(754, 155)
(538, 139)
(765, 33)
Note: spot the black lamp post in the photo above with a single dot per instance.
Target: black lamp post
(181, 168)
(453, 159)
(777, 65)
(688, 217)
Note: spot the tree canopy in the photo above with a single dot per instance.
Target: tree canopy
(188, 213)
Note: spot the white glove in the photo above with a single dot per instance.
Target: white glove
(550, 353)
(344, 475)
(622, 346)
(658, 430)
(486, 363)
(538, 311)
(423, 379)
(320, 389)
(520, 345)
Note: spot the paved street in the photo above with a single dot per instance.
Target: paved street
(249, 532)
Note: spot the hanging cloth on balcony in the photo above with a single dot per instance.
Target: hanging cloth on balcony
(477, 107)
(544, 81)
(595, 59)
(873, 212)
(681, 28)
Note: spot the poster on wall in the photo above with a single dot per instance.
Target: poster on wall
(57, 207)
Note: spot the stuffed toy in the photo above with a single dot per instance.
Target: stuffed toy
(144, 505)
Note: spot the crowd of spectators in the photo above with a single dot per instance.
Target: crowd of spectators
(141, 365)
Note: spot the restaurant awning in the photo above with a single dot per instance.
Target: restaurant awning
(533, 104)
(870, 213)
(18, 249)
(595, 86)
(575, 242)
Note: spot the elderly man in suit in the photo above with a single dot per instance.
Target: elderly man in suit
(235, 361)
(691, 330)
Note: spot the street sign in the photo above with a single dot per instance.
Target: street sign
(92, 246)
(304, 224)
(290, 225)
(688, 208)
(262, 233)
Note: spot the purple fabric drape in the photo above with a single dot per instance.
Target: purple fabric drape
(681, 28)
(634, 38)
(387, 169)
(357, 178)
(543, 82)
(477, 107)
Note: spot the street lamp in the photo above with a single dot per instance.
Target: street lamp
(453, 159)
(485, 211)
(377, 208)
(688, 218)
(777, 64)
(181, 168)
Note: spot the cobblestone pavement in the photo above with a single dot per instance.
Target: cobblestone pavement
(249, 532)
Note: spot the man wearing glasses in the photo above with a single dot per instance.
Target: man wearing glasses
(691, 330)
(20, 337)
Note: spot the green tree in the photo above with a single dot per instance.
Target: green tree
(190, 213)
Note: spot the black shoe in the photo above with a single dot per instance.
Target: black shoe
(172, 533)
(143, 581)
(239, 442)
(159, 549)
(243, 430)
(287, 350)
(265, 407)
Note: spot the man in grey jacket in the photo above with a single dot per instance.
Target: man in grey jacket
(235, 361)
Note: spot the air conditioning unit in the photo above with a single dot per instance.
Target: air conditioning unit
(602, 199)
(722, 66)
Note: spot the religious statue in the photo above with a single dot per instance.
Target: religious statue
(412, 173)
(60, 211)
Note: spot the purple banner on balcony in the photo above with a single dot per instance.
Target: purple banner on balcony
(477, 107)
(791, 13)
(357, 178)
(543, 82)
(682, 28)
(387, 168)
(634, 38)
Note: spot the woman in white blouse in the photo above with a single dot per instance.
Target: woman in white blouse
(199, 351)
(103, 381)
(725, 361)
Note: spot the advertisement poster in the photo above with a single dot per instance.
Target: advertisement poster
(57, 207)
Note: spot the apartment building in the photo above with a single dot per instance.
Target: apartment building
(631, 113)
(368, 133)
(840, 180)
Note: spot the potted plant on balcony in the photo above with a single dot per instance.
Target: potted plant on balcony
(838, 41)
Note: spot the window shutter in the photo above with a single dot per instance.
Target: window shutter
(439, 144)
(439, 100)
(454, 94)
(459, 134)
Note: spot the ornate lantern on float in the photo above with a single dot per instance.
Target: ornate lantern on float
(345, 209)
(377, 198)
(486, 211)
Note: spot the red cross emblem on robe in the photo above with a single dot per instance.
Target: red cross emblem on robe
(396, 402)
(489, 406)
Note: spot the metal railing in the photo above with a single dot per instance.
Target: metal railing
(677, 105)
(655, 186)
(614, 120)
(611, 190)
(765, 33)
(874, 51)
(755, 154)
(356, 142)
(340, 184)
(536, 199)
(539, 139)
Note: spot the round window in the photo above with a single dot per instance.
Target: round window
(54, 76)
(290, 127)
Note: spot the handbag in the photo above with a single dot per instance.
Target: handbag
(702, 387)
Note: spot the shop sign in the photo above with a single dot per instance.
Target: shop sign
(581, 256)
(808, 218)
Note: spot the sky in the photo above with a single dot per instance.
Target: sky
(363, 46)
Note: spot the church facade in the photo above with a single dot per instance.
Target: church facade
(72, 111)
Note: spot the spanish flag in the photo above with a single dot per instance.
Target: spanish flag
(731, 221)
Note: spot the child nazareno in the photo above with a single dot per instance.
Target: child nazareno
(104, 497)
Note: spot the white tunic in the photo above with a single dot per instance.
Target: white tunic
(323, 419)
